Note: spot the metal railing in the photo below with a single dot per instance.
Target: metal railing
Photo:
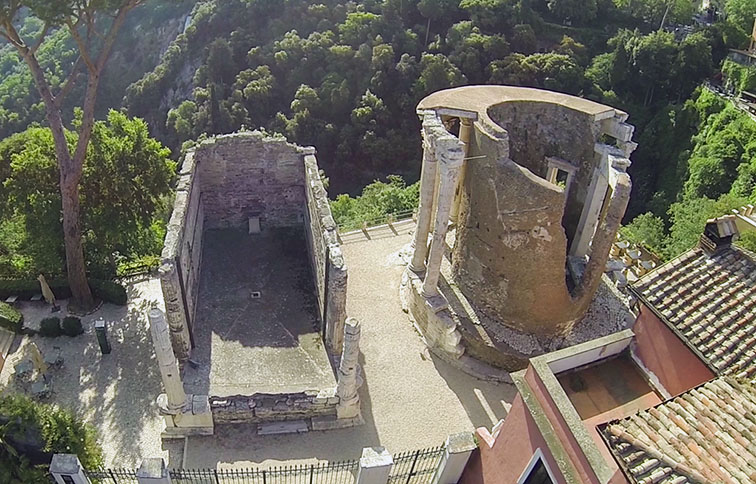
(416, 467)
(322, 473)
(412, 467)
(112, 476)
(381, 220)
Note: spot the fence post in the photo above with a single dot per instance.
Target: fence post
(457, 451)
(66, 469)
(375, 466)
(153, 471)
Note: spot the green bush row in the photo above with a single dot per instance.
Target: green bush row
(108, 291)
(10, 318)
(52, 328)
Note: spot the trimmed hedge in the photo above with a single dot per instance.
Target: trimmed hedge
(71, 326)
(50, 327)
(11, 318)
(108, 291)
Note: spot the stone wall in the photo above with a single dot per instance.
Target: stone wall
(250, 174)
(182, 257)
(511, 242)
(268, 407)
(225, 181)
(568, 134)
(328, 266)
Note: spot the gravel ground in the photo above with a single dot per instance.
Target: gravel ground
(116, 392)
(410, 399)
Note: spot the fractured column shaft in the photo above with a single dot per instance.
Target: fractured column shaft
(349, 379)
(179, 327)
(451, 155)
(465, 133)
(425, 211)
(169, 370)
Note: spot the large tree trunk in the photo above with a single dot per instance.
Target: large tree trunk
(75, 267)
(70, 175)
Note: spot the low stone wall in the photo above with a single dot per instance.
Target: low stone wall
(328, 265)
(270, 408)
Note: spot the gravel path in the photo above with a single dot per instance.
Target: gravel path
(409, 400)
(116, 392)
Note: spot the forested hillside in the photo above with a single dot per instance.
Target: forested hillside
(345, 76)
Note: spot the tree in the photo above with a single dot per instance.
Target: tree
(94, 25)
(118, 217)
(44, 429)
(580, 11)
(740, 12)
(647, 230)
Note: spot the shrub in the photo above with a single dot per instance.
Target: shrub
(10, 318)
(50, 327)
(25, 289)
(106, 290)
(109, 291)
(54, 430)
(72, 326)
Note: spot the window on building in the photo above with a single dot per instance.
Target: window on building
(538, 474)
(537, 471)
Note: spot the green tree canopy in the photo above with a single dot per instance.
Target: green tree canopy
(127, 176)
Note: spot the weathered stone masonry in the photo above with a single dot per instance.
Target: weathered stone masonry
(223, 183)
(250, 180)
(327, 261)
(538, 193)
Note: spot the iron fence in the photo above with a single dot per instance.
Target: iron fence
(416, 466)
(413, 467)
(112, 476)
(373, 222)
(322, 473)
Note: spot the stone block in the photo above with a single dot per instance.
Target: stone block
(331, 422)
(287, 427)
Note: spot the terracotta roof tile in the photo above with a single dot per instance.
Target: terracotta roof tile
(711, 302)
(705, 435)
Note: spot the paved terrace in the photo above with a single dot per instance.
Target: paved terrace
(409, 399)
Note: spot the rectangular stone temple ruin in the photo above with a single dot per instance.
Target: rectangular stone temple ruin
(254, 284)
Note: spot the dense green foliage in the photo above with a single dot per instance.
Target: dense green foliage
(71, 326)
(712, 170)
(127, 177)
(56, 429)
(346, 76)
(50, 327)
(738, 77)
(11, 318)
(147, 30)
(378, 201)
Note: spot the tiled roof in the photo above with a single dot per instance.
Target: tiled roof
(711, 301)
(707, 434)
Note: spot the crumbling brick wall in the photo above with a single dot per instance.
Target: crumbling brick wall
(538, 130)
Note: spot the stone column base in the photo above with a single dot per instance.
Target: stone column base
(432, 317)
(195, 418)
